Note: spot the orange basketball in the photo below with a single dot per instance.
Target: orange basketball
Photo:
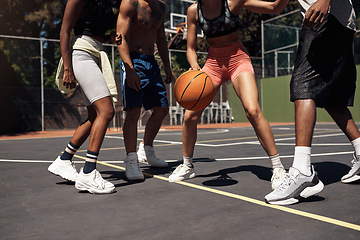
(194, 90)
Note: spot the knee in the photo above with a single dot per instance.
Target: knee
(191, 119)
(253, 114)
(162, 112)
(159, 113)
(132, 114)
(107, 113)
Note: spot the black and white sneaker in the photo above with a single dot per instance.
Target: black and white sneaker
(295, 186)
(354, 173)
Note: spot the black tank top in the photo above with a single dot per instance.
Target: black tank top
(97, 17)
(225, 24)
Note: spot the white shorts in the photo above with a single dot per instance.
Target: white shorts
(88, 74)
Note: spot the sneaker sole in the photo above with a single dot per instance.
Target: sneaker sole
(307, 192)
(153, 165)
(58, 173)
(182, 178)
(351, 179)
(135, 178)
(81, 187)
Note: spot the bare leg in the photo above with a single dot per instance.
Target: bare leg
(104, 113)
(189, 129)
(305, 118)
(246, 89)
(130, 129)
(189, 132)
(83, 131)
(154, 123)
(344, 120)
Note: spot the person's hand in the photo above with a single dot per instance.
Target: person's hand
(169, 78)
(316, 14)
(118, 39)
(69, 80)
(195, 68)
(133, 80)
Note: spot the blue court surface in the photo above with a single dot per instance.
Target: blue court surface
(224, 201)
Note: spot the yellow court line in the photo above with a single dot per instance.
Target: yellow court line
(250, 200)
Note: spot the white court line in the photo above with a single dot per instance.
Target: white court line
(276, 140)
(174, 160)
(316, 144)
(256, 142)
(199, 132)
(172, 134)
(45, 161)
(283, 156)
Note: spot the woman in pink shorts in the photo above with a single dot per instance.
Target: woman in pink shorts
(227, 60)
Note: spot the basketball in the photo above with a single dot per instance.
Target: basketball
(194, 90)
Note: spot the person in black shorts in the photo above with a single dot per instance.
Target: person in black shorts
(324, 76)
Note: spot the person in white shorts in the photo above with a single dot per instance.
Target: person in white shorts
(85, 63)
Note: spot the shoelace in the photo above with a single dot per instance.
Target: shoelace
(276, 175)
(134, 164)
(99, 180)
(287, 182)
(183, 169)
(355, 159)
(73, 165)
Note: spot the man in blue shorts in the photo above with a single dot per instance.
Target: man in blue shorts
(140, 25)
(324, 76)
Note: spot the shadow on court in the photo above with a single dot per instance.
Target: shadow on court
(224, 201)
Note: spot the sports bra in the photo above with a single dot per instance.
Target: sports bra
(97, 17)
(225, 24)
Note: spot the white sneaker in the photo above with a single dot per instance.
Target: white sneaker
(64, 168)
(182, 172)
(146, 154)
(354, 173)
(93, 183)
(132, 170)
(278, 177)
(295, 186)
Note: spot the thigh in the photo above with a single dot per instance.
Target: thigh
(155, 91)
(130, 97)
(246, 89)
(89, 76)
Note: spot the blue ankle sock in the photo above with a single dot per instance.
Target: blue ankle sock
(90, 166)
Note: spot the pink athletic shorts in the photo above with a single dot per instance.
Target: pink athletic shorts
(225, 63)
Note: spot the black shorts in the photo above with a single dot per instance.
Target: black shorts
(324, 68)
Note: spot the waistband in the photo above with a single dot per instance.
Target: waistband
(95, 43)
(142, 56)
(228, 50)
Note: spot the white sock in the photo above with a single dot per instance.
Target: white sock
(356, 144)
(275, 161)
(302, 159)
(188, 161)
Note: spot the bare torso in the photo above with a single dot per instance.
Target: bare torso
(145, 24)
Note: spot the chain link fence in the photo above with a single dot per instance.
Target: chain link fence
(31, 99)
(280, 37)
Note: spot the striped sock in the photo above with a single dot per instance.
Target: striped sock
(69, 152)
(275, 161)
(90, 163)
(188, 161)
